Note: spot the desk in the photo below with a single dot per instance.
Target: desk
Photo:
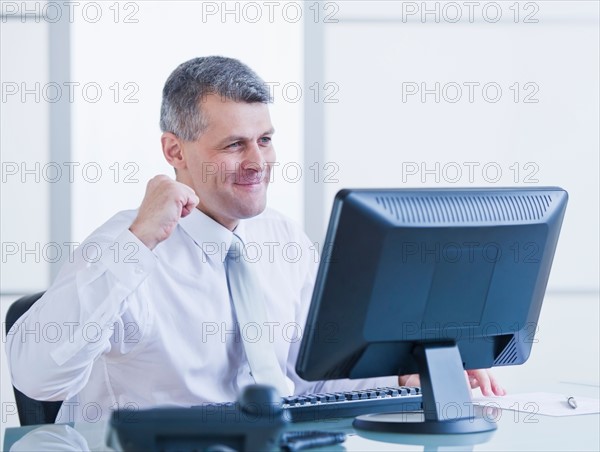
(516, 431)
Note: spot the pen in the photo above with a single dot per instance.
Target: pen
(572, 402)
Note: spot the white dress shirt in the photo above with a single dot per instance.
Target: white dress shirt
(126, 327)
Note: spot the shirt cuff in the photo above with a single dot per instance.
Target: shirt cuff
(129, 260)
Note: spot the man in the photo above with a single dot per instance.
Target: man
(145, 312)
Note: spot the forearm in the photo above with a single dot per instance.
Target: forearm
(52, 348)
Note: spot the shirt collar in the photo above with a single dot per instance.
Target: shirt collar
(213, 238)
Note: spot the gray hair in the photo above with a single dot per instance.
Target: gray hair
(180, 112)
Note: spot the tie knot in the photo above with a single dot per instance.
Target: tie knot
(235, 249)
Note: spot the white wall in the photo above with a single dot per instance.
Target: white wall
(24, 145)
(379, 135)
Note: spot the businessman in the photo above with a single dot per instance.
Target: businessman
(151, 310)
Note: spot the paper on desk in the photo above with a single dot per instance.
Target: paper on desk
(546, 403)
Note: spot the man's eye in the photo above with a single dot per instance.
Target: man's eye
(234, 145)
(265, 140)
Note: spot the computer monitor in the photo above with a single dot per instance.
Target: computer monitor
(431, 281)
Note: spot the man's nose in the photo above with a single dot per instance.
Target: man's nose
(254, 158)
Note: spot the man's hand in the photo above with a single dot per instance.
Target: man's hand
(478, 378)
(484, 380)
(165, 202)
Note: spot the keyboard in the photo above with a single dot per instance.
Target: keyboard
(317, 407)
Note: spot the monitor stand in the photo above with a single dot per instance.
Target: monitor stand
(447, 404)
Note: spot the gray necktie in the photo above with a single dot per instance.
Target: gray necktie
(249, 304)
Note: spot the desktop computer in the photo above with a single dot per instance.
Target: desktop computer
(428, 281)
(434, 282)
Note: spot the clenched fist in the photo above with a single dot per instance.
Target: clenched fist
(165, 202)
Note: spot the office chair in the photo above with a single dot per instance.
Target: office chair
(30, 411)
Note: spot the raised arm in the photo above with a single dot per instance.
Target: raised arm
(52, 348)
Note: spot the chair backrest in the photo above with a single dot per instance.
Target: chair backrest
(31, 412)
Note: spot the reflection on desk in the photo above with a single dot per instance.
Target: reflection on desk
(52, 437)
(57, 437)
(516, 431)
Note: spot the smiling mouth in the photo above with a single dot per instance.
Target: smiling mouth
(251, 184)
(250, 181)
(259, 182)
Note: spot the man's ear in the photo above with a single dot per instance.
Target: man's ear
(172, 148)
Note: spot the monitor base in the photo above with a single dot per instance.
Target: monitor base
(447, 404)
(399, 423)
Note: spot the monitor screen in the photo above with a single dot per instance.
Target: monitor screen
(406, 271)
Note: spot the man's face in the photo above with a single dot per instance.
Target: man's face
(229, 166)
